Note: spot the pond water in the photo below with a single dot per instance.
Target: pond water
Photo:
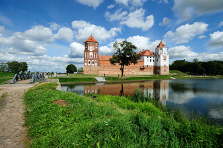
(202, 97)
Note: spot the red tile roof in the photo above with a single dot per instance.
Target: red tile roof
(91, 39)
(161, 45)
(146, 53)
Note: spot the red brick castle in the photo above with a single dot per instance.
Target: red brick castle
(150, 62)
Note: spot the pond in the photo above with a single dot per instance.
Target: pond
(197, 97)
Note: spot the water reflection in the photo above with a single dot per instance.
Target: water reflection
(202, 97)
(153, 89)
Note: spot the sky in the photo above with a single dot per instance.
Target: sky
(49, 34)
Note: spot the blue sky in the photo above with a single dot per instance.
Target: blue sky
(49, 34)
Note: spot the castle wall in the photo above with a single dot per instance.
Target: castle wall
(106, 68)
(91, 69)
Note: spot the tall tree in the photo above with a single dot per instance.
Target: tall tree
(124, 55)
(71, 68)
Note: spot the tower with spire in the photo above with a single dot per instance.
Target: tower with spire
(161, 64)
(91, 52)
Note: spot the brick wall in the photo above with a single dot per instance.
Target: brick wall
(106, 68)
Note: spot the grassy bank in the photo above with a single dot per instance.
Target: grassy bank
(5, 76)
(76, 80)
(108, 121)
(137, 78)
(174, 74)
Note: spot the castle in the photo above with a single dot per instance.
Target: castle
(150, 62)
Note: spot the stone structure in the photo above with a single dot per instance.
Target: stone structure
(150, 62)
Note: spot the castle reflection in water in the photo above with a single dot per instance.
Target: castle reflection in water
(154, 89)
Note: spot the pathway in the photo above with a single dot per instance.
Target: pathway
(12, 130)
(100, 79)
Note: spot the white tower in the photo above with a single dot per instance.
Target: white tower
(161, 60)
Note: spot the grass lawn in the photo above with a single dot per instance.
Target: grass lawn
(77, 79)
(137, 78)
(108, 121)
(5, 76)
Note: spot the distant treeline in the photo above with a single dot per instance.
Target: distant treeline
(198, 68)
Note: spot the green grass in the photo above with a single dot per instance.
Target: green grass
(137, 78)
(5, 76)
(80, 79)
(108, 121)
(177, 72)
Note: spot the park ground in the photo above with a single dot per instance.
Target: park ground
(62, 119)
(174, 74)
(53, 118)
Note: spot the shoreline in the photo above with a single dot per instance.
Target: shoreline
(143, 80)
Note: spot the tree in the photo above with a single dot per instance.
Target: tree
(16, 67)
(124, 55)
(71, 68)
(23, 66)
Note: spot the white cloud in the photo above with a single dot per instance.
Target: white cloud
(2, 30)
(39, 33)
(220, 24)
(165, 21)
(33, 41)
(118, 15)
(18, 45)
(135, 3)
(64, 33)
(136, 19)
(201, 36)
(111, 6)
(83, 29)
(90, 3)
(183, 52)
(187, 32)
(106, 50)
(187, 9)
(54, 26)
(216, 39)
(142, 42)
(76, 50)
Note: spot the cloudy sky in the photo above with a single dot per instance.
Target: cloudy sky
(49, 34)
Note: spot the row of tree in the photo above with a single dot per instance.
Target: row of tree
(198, 68)
(71, 68)
(14, 67)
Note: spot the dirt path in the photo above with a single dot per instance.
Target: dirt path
(12, 130)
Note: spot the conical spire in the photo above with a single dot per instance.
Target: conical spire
(161, 44)
(91, 39)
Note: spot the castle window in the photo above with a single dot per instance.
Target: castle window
(89, 62)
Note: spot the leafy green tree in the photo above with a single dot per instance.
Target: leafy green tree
(23, 66)
(71, 68)
(124, 55)
(16, 67)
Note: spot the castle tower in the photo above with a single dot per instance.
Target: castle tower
(161, 60)
(91, 57)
